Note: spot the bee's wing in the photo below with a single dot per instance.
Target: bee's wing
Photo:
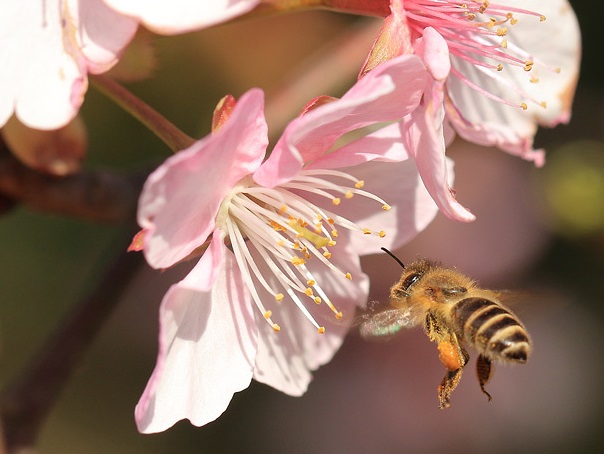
(388, 322)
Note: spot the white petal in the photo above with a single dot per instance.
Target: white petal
(207, 348)
(179, 16)
(43, 64)
(103, 34)
(554, 42)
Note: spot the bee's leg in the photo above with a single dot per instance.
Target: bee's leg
(484, 370)
(454, 358)
(451, 354)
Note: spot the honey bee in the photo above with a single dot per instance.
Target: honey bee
(454, 312)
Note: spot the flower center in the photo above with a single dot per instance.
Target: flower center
(288, 231)
(476, 32)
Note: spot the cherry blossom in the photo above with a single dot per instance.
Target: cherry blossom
(48, 48)
(498, 70)
(269, 297)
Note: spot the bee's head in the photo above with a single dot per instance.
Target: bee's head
(409, 279)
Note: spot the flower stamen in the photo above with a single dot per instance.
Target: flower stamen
(479, 40)
(287, 232)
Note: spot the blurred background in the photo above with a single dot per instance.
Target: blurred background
(538, 230)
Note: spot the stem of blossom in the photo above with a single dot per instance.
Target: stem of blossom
(379, 8)
(25, 403)
(173, 137)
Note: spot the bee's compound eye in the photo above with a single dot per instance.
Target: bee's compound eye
(410, 280)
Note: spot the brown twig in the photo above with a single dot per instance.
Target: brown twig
(26, 402)
(94, 195)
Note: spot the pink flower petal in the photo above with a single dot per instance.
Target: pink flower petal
(206, 270)
(401, 186)
(434, 52)
(207, 346)
(387, 93)
(383, 145)
(180, 16)
(46, 52)
(507, 131)
(424, 138)
(180, 200)
(285, 359)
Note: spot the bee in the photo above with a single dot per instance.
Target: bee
(454, 312)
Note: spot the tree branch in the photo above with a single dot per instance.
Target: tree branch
(93, 195)
(25, 404)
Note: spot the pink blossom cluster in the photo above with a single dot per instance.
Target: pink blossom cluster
(280, 230)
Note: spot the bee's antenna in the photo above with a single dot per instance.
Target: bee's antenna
(393, 256)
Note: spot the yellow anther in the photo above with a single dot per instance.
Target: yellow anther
(268, 314)
(280, 243)
(276, 226)
(334, 233)
(297, 245)
(331, 221)
(523, 105)
(499, 67)
(339, 315)
(298, 261)
(318, 240)
(348, 276)
(534, 79)
(321, 329)
(317, 300)
(528, 65)
(543, 104)
(513, 21)
(542, 18)
(349, 194)
(359, 184)
(283, 208)
(492, 23)
(327, 255)
(331, 243)
(382, 234)
(502, 31)
(279, 297)
(276, 327)
(471, 16)
(336, 200)
(504, 43)
(367, 231)
(557, 70)
(386, 207)
(310, 282)
(308, 291)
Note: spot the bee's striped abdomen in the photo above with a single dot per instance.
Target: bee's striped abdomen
(492, 329)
